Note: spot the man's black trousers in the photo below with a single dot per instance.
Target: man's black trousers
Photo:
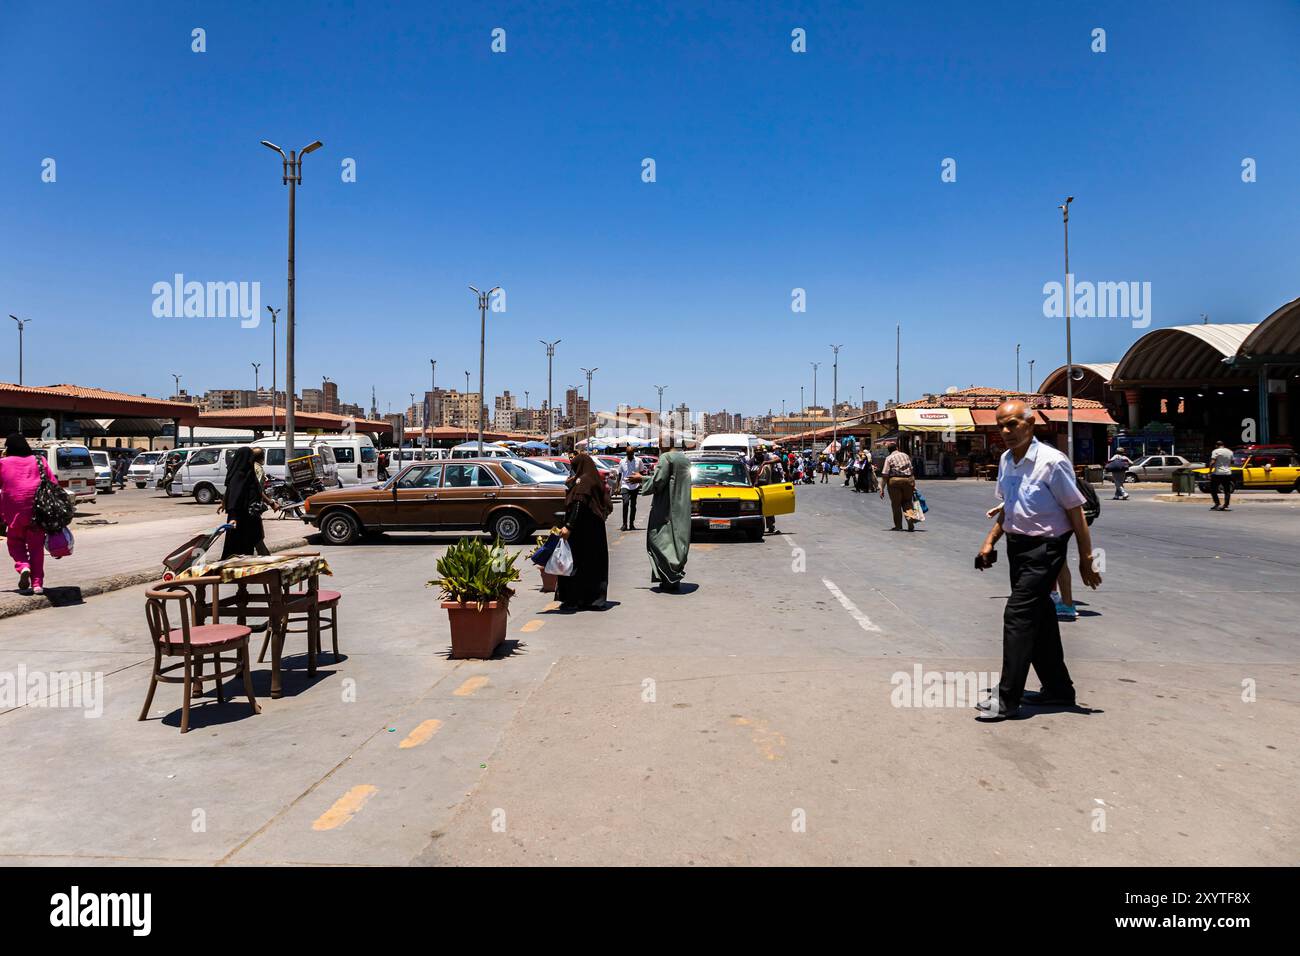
(1030, 632)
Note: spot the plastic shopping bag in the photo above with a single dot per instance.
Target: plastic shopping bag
(60, 544)
(543, 554)
(920, 500)
(561, 562)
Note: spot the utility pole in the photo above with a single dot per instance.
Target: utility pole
(1069, 349)
(178, 385)
(22, 324)
(274, 315)
(590, 372)
(898, 360)
(482, 340)
(467, 406)
(835, 399)
(550, 405)
(291, 175)
(815, 365)
(802, 407)
(661, 403)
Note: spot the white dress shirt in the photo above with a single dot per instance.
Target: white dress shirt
(625, 470)
(1037, 490)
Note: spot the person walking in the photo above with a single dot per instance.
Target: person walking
(1118, 467)
(629, 474)
(120, 468)
(826, 469)
(768, 475)
(586, 506)
(171, 466)
(20, 476)
(668, 529)
(1221, 476)
(849, 468)
(243, 504)
(899, 482)
(1042, 509)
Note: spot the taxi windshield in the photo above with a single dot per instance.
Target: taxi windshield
(731, 473)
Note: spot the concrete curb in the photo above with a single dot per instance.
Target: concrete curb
(114, 582)
(1260, 498)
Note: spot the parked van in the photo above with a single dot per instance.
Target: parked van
(160, 466)
(357, 459)
(70, 465)
(741, 444)
(203, 474)
(490, 450)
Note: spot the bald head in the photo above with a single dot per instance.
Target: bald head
(1016, 423)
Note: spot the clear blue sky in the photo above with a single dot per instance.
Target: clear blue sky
(775, 170)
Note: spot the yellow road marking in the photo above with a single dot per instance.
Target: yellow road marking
(345, 807)
(471, 685)
(420, 734)
(553, 606)
(704, 547)
(533, 625)
(769, 742)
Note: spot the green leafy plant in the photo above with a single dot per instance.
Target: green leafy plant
(474, 572)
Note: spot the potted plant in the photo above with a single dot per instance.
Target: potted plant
(548, 580)
(474, 581)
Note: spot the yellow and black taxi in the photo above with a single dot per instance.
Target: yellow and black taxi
(1263, 467)
(724, 499)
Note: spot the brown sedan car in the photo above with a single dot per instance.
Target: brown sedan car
(461, 494)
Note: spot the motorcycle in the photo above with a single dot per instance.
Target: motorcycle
(288, 497)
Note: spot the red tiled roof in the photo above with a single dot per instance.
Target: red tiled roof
(261, 415)
(93, 402)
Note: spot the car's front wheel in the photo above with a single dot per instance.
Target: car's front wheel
(203, 494)
(509, 527)
(139, 484)
(339, 527)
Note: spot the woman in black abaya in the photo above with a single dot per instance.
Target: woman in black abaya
(243, 505)
(587, 505)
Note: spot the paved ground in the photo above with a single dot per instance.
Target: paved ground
(751, 720)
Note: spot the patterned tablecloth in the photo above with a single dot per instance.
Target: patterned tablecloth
(293, 569)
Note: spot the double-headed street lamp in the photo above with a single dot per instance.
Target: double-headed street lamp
(257, 385)
(291, 176)
(22, 324)
(550, 405)
(467, 406)
(661, 404)
(482, 338)
(835, 399)
(275, 313)
(178, 383)
(590, 372)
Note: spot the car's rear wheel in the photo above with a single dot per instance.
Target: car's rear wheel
(203, 494)
(139, 484)
(509, 527)
(339, 527)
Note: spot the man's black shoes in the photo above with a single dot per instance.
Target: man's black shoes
(992, 709)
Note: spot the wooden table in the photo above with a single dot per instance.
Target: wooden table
(275, 604)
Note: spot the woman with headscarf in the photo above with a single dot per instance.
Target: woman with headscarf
(20, 476)
(586, 506)
(243, 506)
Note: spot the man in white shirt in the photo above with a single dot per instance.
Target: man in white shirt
(1221, 476)
(1042, 508)
(629, 476)
(1118, 467)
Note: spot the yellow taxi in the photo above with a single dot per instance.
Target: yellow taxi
(724, 499)
(1260, 467)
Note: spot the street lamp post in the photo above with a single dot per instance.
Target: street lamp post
(660, 390)
(550, 404)
(835, 399)
(482, 339)
(815, 365)
(22, 324)
(1031, 375)
(467, 406)
(178, 383)
(1017, 366)
(412, 394)
(291, 176)
(590, 372)
(1069, 349)
(428, 406)
(257, 368)
(275, 313)
(898, 356)
(802, 407)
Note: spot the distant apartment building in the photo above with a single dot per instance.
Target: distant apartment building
(757, 425)
(313, 400)
(577, 411)
(723, 422)
(329, 397)
(870, 406)
(221, 399)
(351, 411)
(503, 415)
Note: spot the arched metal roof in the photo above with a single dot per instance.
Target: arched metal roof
(1103, 370)
(1183, 353)
(1279, 334)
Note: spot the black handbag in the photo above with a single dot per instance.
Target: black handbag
(52, 508)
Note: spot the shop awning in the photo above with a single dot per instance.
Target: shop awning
(985, 416)
(934, 420)
(1088, 416)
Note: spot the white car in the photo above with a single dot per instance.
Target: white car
(1159, 467)
(103, 471)
(142, 466)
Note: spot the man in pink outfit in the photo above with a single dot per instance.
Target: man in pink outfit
(20, 476)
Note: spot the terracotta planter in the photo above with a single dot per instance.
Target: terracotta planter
(476, 633)
(548, 581)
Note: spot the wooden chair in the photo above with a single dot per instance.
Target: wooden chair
(298, 624)
(193, 642)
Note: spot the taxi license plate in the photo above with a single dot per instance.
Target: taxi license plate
(719, 523)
